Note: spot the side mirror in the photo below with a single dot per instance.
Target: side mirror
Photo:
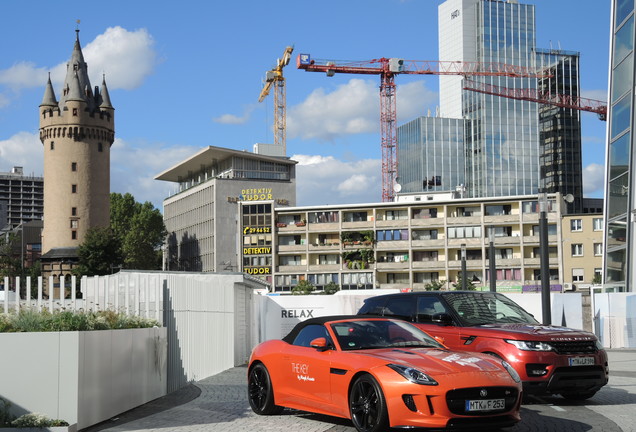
(442, 318)
(320, 344)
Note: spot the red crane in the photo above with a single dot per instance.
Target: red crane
(536, 95)
(387, 68)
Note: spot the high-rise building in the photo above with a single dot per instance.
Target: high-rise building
(560, 159)
(431, 154)
(76, 133)
(21, 198)
(620, 205)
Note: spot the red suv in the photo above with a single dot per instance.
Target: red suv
(549, 359)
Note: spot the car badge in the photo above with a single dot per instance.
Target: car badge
(483, 393)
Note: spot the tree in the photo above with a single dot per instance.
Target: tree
(331, 288)
(140, 230)
(470, 285)
(434, 285)
(10, 260)
(100, 251)
(304, 287)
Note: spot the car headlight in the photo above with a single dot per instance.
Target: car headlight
(513, 373)
(530, 345)
(413, 375)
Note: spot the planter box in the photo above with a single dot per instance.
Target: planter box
(71, 428)
(82, 377)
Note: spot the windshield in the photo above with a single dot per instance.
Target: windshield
(372, 334)
(487, 308)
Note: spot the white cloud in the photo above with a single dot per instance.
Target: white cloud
(234, 119)
(325, 180)
(126, 57)
(352, 108)
(598, 94)
(22, 149)
(593, 180)
(133, 168)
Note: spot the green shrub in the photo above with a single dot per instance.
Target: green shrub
(36, 421)
(30, 320)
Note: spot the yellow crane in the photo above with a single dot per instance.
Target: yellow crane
(275, 78)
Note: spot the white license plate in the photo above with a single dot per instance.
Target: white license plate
(581, 361)
(485, 404)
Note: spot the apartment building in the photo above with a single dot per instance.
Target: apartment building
(407, 244)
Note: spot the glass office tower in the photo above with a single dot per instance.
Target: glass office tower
(431, 154)
(620, 213)
(560, 157)
(501, 135)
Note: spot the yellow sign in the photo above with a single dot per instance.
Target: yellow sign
(257, 251)
(261, 194)
(253, 230)
(258, 270)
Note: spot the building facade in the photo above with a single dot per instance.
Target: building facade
(501, 135)
(204, 215)
(560, 158)
(582, 249)
(76, 132)
(431, 154)
(21, 198)
(620, 207)
(411, 244)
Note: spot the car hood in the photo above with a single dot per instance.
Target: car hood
(532, 332)
(438, 361)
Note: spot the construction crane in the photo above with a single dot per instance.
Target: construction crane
(275, 78)
(387, 68)
(536, 95)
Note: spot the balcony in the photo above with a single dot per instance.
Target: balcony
(292, 248)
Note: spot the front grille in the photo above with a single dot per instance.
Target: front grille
(574, 347)
(456, 399)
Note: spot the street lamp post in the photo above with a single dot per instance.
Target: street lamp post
(491, 259)
(463, 266)
(544, 259)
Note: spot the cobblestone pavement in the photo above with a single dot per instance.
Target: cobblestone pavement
(219, 404)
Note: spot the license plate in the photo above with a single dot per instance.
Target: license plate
(581, 361)
(485, 404)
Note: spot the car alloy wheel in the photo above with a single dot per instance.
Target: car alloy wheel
(367, 405)
(260, 392)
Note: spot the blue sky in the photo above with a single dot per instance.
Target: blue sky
(186, 75)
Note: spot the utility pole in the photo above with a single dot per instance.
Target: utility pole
(463, 266)
(491, 259)
(544, 261)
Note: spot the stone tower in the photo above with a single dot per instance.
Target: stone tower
(76, 132)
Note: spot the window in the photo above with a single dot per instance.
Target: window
(355, 217)
(100, 148)
(73, 211)
(292, 260)
(577, 249)
(388, 235)
(309, 333)
(552, 230)
(75, 112)
(576, 225)
(425, 235)
(464, 232)
(597, 224)
(73, 166)
(598, 249)
(74, 235)
(74, 188)
(328, 259)
(577, 275)
(396, 215)
(74, 223)
(426, 213)
(52, 145)
(323, 217)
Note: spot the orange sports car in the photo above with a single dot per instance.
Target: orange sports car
(381, 373)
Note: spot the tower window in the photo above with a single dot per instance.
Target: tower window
(73, 211)
(75, 112)
(73, 235)
(100, 147)
(74, 188)
(52, 145)
(74, 223)
(73, 166)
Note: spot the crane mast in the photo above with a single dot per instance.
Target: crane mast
(274, 78)
(387, 68)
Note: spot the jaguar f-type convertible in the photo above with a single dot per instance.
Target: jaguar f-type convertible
(381, 373)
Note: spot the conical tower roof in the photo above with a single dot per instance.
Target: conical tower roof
(105, 97)
(77, 70)
(49, 95)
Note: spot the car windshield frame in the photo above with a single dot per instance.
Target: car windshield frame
(366, 334)
(480, 308)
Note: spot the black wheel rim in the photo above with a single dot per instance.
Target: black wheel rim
(365, 405)
(258, 388)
